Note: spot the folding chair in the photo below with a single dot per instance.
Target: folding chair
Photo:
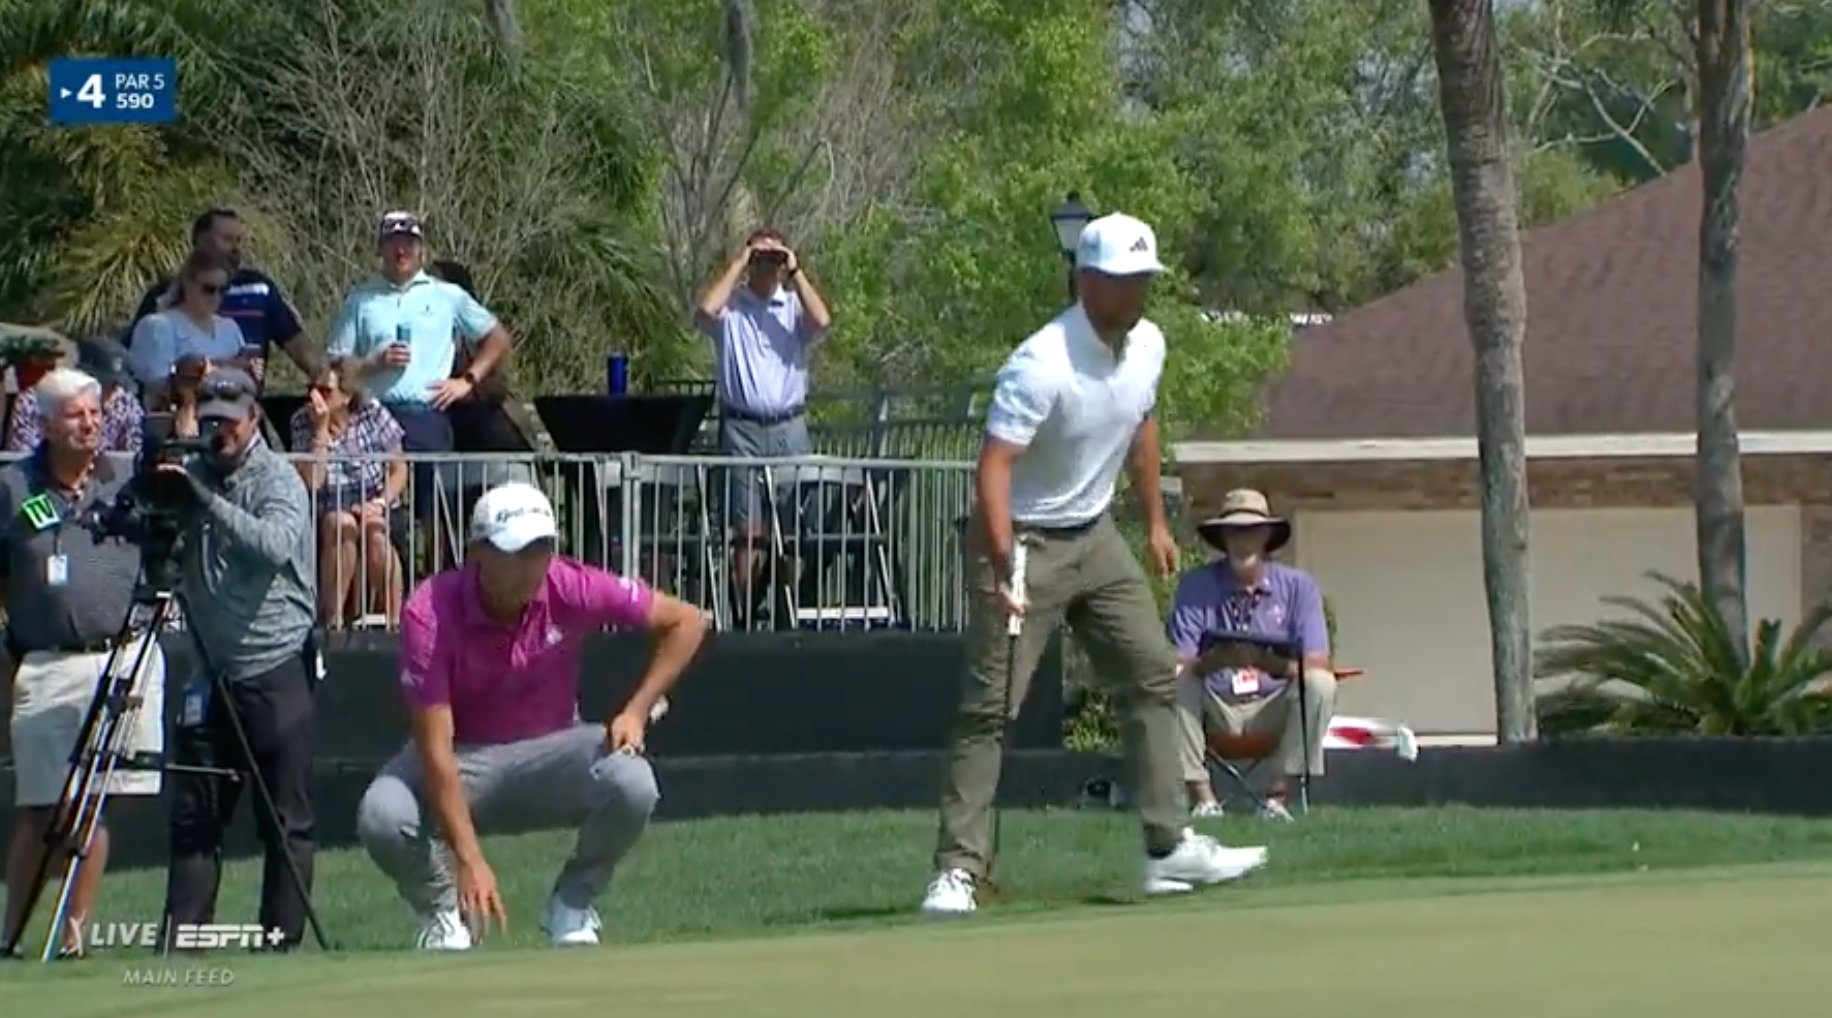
(1254, 748)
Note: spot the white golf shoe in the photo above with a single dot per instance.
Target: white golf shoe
(950, 894)
(1200, 861)
(444, 930)
(571, 927)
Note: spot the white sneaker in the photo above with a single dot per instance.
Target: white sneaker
(571, 927)
(1200, 861)
(950, 894)
(1208, 810)
(444, 931)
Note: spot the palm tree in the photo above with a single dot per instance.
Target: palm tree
(1676, 668)
(1471, 95)
(95, 214)
(1721, 40)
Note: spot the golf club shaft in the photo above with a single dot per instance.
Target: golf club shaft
(1014, 627)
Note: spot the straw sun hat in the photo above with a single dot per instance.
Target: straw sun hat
(1242, 508)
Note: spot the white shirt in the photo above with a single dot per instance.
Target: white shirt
(1074, 406)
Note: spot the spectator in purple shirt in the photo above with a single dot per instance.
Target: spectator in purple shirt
(490, 670)
(1245, 592)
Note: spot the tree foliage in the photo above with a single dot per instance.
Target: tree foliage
(595, 160)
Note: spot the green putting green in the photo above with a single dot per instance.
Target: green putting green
(1702, 944)
(1423, 913)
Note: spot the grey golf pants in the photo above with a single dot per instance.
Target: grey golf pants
(565, 779)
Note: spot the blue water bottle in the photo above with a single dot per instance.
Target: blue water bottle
(617, 374)
(403, 336)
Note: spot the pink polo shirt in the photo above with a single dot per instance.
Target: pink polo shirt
(503, 682)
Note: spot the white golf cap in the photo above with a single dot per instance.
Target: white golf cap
(512, 516)
(1118, 245)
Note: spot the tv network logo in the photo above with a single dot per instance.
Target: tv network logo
(185, 936)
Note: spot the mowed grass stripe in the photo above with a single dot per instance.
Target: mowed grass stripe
(1645, 946)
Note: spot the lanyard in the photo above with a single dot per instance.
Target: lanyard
(1239, 608)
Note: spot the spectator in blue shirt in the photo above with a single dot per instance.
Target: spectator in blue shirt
(252, 300)
(191, 329)
(403, 328)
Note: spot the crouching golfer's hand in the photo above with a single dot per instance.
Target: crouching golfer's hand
(478, 899)
(626, 731)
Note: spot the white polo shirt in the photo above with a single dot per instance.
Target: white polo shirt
(1074, 406)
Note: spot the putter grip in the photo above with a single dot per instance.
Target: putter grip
(1015, 624)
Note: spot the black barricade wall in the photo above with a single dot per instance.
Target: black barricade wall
(748, 693)
(1777, 776)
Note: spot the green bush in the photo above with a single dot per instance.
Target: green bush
(1674, 669)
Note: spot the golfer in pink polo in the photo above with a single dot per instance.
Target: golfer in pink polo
(490, 670)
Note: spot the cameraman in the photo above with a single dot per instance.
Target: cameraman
(247, 576)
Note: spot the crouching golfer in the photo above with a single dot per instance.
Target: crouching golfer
(489, 667)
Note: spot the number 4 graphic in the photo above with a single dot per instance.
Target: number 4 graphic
(91, 92)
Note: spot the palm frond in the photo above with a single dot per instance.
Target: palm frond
(1671, 667)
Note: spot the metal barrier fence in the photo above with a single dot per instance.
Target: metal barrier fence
(810, 543)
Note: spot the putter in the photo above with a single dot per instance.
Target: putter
(1014, 626)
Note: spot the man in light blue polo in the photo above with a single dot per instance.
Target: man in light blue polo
(403, 326)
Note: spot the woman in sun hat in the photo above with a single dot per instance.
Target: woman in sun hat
(1244, 591)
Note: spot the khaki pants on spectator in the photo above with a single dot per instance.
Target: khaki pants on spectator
(1087, 577)
(1200, 710)
(52, 691)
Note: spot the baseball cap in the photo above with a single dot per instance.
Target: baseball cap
(512, 517)
(103, 360)
(401, 222)
(226, 394)
(1118, 245)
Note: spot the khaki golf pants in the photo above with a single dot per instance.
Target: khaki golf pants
(1088, 578)
(1199, 710)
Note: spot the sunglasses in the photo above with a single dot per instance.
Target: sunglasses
(209, 289)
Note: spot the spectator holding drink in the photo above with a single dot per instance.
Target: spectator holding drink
(402, 329)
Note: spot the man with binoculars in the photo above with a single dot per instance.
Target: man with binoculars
(762, 332)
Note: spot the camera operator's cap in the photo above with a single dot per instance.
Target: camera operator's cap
(512, 517)
(1118, 245)
(103, 360)
(394, 223)
(226, 394)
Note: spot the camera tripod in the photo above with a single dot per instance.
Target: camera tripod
(100, 751)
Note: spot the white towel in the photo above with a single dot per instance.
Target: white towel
(1371, 733)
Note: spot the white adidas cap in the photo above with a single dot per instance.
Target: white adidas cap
(1118, 245)
(512, 517)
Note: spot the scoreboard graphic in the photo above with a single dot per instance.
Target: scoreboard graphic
(86, 91)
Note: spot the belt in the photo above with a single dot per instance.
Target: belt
(77, 647)
(1061, 530)
(758, 417)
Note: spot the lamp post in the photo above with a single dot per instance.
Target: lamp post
(1068, 219)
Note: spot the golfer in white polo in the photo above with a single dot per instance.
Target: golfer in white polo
(1072, 405)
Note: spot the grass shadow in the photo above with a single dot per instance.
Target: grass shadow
(851, 913)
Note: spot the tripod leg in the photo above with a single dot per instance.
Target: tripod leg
(106, 733)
